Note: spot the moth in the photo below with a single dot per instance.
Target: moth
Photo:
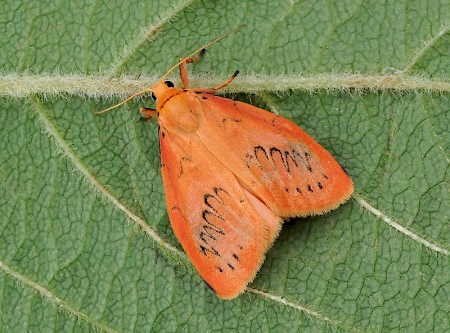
(232, 174)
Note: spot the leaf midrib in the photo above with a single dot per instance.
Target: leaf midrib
(100, 86)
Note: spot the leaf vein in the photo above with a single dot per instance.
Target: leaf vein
(147, 34)
(80, 166)
(427, 45)
(53, 298)
(399, 227)
(307, 311)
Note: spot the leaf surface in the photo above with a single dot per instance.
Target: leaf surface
(85, 241)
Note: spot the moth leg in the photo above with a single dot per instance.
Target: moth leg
(214, 90)
(227, 82)
(183, 67)
(148, 114)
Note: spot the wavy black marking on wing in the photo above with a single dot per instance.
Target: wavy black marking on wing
(210, 216)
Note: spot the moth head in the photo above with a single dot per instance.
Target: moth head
(162, 91)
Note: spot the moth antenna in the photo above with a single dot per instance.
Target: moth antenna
(172, 69)
(125, 100)
(200, 49)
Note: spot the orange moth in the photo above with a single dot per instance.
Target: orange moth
(232, 173)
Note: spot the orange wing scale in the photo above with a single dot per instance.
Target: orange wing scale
(231, 172)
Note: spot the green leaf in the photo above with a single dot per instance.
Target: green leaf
(85, 240)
